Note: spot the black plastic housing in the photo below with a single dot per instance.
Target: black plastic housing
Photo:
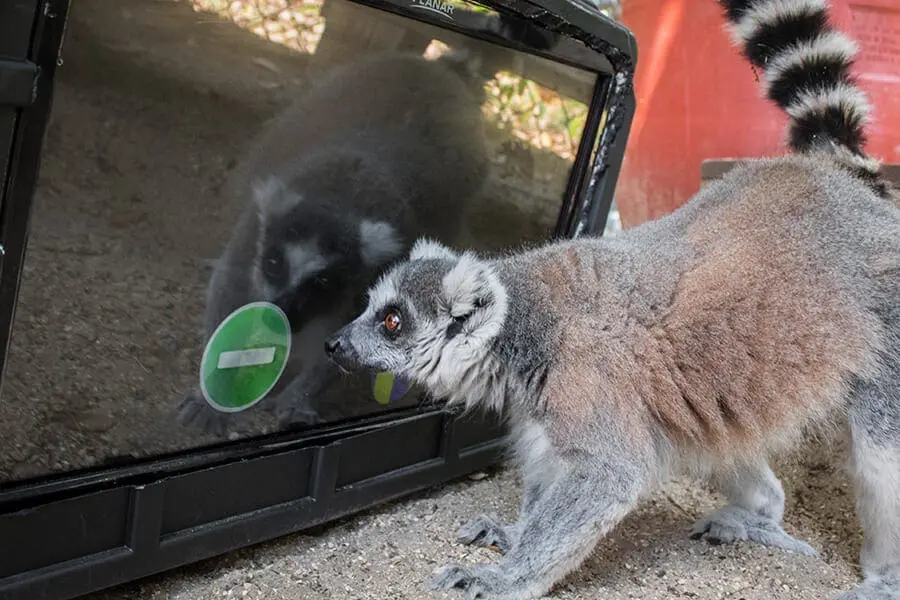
(67, 535)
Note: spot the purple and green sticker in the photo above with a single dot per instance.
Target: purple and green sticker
(388, 388)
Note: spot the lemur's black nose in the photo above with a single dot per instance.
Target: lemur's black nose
(333, 345)
(339, 350)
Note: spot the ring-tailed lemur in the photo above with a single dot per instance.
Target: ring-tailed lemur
(337, 187)
(701, 342)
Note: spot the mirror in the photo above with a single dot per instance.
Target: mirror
(220, 183)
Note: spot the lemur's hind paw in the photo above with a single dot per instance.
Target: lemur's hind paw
(874, 589)
(732, 523)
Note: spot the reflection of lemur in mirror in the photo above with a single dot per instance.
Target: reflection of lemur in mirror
(337, 187)
(699, 343)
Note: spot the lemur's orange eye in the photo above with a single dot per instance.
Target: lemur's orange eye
(392, 322)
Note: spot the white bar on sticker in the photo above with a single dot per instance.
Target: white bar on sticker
(246, 358)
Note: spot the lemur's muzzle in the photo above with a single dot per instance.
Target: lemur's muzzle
(339, 350)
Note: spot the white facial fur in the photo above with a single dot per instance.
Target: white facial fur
(425, 248)
(459, 367)
(379, 242)
(272, 196)
(304, 260)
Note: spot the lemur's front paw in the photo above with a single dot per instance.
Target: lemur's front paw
(482, 582)
(486, 531)
(291, 412)
(732, 523)
(193, 411)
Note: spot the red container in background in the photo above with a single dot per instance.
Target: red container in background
(698, 98)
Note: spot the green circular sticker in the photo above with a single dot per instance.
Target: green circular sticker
(245, 356)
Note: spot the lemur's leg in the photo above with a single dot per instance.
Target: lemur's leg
(298, 402)
(488, 531)
(754, 510)
(875, 427)
(589, 496)
(533, 456)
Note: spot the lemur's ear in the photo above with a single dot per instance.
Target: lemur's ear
(379, 243)
(470, 285)
(271, 195)
(425, 249)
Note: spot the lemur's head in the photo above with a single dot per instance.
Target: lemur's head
(313, 261)
(430, 319)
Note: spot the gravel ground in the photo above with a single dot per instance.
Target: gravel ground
(388, 552)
